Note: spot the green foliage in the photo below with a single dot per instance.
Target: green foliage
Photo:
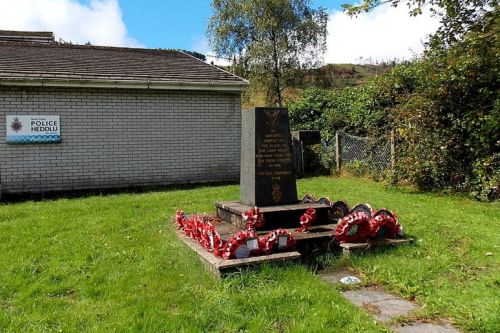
(351, 110)
(445, 109)
(272, 40)
(307, 113)
(314, 167)
(327, 159)
(357, 110)
(449, 124)
(343, 75)
(195, 54)
(357, 168)
(486, 178)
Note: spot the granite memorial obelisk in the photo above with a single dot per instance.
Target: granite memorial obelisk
(267, 171)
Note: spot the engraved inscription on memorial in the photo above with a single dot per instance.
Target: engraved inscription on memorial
(273, 160)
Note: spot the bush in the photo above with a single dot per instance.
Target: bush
(445, 109)
(449, 125)
(312, 154)
(357, 168)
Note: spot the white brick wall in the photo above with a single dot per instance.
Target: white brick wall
(119, 138)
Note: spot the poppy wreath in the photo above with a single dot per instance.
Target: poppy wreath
(307, 219)
(308, 198)
(254, 218)
(366, 208)
(210, 239)
(197, 227)
(189, 228)
(238, 239)
(384, 225)
(201, 230)
(179, 219)
(339, 210)
(324, 201)
(354, 227)
(270, 241)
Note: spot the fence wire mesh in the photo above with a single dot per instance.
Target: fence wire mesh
(370, 153)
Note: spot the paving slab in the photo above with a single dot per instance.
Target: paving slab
(381, 305)
(418, 327)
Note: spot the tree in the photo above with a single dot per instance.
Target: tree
(195, 54)
(446, 115)
(272, 40)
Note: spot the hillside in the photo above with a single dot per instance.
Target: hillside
(342, 75)
(329, 76)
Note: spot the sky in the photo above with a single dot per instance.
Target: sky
(384, 34)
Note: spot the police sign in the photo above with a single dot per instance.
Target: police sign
(33, 129)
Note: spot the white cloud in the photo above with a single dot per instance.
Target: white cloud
(99, 21)
(213, 59)
(200, 44)
(383, 34)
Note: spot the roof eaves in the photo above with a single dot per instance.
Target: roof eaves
(125, 84)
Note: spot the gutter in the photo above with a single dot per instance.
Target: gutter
(125, 84)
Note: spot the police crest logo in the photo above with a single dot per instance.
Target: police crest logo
(16, 125)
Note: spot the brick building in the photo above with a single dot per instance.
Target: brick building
(125, 117)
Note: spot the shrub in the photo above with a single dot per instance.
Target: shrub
(445, 109)
(357, 168)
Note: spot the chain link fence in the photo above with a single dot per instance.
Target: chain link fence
(360, 154)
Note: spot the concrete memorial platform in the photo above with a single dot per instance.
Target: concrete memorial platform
(222, 267)
(283, 216)
(268, 182)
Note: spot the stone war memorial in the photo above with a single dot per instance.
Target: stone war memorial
(267, 173)
(269, 222)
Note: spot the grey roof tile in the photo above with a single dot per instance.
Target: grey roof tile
(57, 61)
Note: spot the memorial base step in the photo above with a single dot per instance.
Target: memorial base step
(221, 267)
(284, 216)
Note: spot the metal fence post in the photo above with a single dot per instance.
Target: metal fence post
(337, 152)
(302, 157)
(393, 150)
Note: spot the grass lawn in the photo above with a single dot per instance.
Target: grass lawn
(113, 263)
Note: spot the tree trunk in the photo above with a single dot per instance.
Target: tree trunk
(276, 74)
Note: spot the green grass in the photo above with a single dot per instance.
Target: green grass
(113, 263)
